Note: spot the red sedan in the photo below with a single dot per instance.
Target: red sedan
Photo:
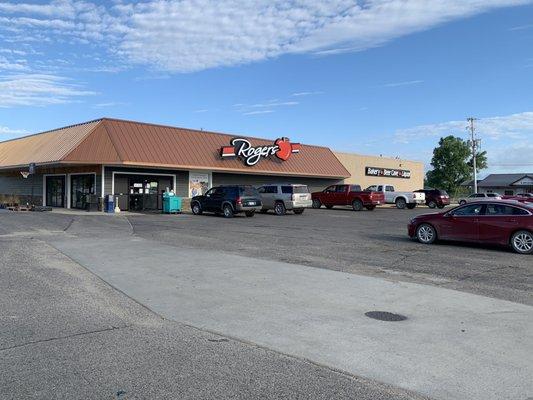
(501, 222)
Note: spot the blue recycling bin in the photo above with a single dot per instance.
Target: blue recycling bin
(171, 203)
(109, 204)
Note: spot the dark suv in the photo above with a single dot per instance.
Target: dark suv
(228, 200)
(435, 197)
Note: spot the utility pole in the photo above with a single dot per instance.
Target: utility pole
(474, 143)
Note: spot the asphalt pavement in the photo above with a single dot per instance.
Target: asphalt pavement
(143, 305)
(372, 243)
(66, 334)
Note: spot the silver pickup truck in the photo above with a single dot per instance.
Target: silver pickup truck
(401, 199)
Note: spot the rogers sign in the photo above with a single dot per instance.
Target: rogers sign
(282, 148)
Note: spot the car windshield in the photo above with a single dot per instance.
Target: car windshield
(443, 193)
(248, 191)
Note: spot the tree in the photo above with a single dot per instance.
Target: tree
(452, 164)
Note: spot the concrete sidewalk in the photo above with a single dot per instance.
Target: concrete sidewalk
(453, 345)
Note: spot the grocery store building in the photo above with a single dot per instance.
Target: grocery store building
(136, 162)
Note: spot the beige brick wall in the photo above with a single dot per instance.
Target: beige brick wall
(356, 164)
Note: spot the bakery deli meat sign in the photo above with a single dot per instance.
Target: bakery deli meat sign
(388, 172)
(282, 148)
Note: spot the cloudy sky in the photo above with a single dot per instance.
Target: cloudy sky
(370, 76)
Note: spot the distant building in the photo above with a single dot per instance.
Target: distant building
(506, 184)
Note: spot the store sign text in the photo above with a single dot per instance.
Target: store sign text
(282, 148)
(388, 172)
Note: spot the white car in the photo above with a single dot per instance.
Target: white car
(480, 197)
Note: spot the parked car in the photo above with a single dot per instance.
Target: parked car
(522, 197)
(435, 197)
(284, 197)
(500, 222)
(480, 197)
(347, 195)
(401, 199)
(228, 200)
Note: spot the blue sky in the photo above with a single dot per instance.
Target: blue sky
(374, 77)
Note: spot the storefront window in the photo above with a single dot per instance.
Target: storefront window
(80, 187)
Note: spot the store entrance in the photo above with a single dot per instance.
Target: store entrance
(144, 194)
(81, 186)
(141, 192)
(55, 191)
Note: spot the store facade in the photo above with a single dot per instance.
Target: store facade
(365, 170)
(137, 162)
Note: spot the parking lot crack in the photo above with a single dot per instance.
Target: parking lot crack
(66, 228)
(113, 328)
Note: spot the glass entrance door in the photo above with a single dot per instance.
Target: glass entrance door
(55, 191)
(80, 187)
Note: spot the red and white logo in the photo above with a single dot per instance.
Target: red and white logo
(240, 147)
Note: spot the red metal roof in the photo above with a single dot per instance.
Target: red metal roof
(119, 142)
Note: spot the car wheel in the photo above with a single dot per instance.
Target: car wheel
(522, 242)
(196, 209)
(329, 206)
(299, 210)
(279, 208)
(462, 202)
(425, 233)
(227, 210)
(249, 213)
(400, 203)
(441, 206)
(357, 205)
(410, 206)
(316, 203)
(432, 204)
(370, 208)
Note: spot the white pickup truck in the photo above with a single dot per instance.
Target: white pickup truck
(401, 199)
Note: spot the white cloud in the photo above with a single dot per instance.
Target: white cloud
(521, 27)
(508, 140)
(512, 158)
(110, 104)
(274, 104)
(13, 65)
(193, 35)
(258, 112)
(4, 130)
(298, 94)
(514, 126)
(38, 90)
(265, 107)
(404, 83)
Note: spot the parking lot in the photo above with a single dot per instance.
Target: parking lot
(373, 243)
(154, 305)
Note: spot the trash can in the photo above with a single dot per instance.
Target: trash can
(109, 204)
(171, 203)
